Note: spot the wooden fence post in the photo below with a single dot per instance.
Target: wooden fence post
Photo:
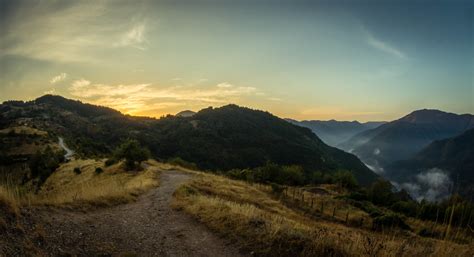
(334, 212)
(347, 216)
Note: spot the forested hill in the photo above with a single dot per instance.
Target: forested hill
(214, 138)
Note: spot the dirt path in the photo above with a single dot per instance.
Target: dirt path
(147, 227)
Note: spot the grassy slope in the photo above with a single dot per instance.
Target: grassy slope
(65, 188)
(265, 225)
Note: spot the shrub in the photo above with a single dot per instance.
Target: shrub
(345, 179)
(133, 154)
(183, 163)
(380, 193)
(368, 207)
(277, 189)
(98, 170)
(77, 170)
(405, 207)
(389, 220)
(428, 232)
(291, 175)
(110, 162)
(42, 164)
(358, 196)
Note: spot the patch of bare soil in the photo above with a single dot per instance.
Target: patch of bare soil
(146, 227)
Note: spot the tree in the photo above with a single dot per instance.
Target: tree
(345, 179)
(133, 153)
(42, 164)
(380, 192)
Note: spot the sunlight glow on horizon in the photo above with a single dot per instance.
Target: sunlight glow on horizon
(302, 60)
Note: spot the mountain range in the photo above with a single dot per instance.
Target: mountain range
(334, 132)
(218, 139)
(403, 138)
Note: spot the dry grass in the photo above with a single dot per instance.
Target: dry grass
(24, 130)
(65, 188)
(254, 217)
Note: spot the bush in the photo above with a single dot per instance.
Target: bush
(388, 221)
(110, 162)
(284, 175)
(98, 170)
(358, 196)
(42, 164)
(133, 154)
(345, 179)
(380, 193)
(277, 189)
(368, 207)
(407, 208)
(180, 162)
(77, 170)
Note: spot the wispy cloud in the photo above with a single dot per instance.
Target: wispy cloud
(58, 78)
(70, 31)
(143, 98)
(381, 45)
(224, 85)
(385, 47)
(134, 37)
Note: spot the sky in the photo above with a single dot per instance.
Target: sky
(340, 59)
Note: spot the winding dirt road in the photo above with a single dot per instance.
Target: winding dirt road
(147, 227)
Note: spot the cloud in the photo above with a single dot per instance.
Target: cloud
(78, 84)
(224, 85)
(375, 167)
(139, 98)
(376, 151)
(381, 45)
(70, 31)
(58, 78)
(385, 47)
(135, 37)
(52, 91)
(431, 185)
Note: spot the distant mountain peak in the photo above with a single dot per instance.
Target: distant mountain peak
(428, 116)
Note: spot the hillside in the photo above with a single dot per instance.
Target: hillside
(454, 156)
(214, 139)
(403, 138)
(334, 132)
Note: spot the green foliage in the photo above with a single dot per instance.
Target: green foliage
(99, 170)
(277, 189)
(389, 221)
(226, 138)
(77, 170)
(133, 154)
(368, 207)
(180, 162)
(110, 162)
(408, 208)
(42, 164)
(345, 179)
(380, 193)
